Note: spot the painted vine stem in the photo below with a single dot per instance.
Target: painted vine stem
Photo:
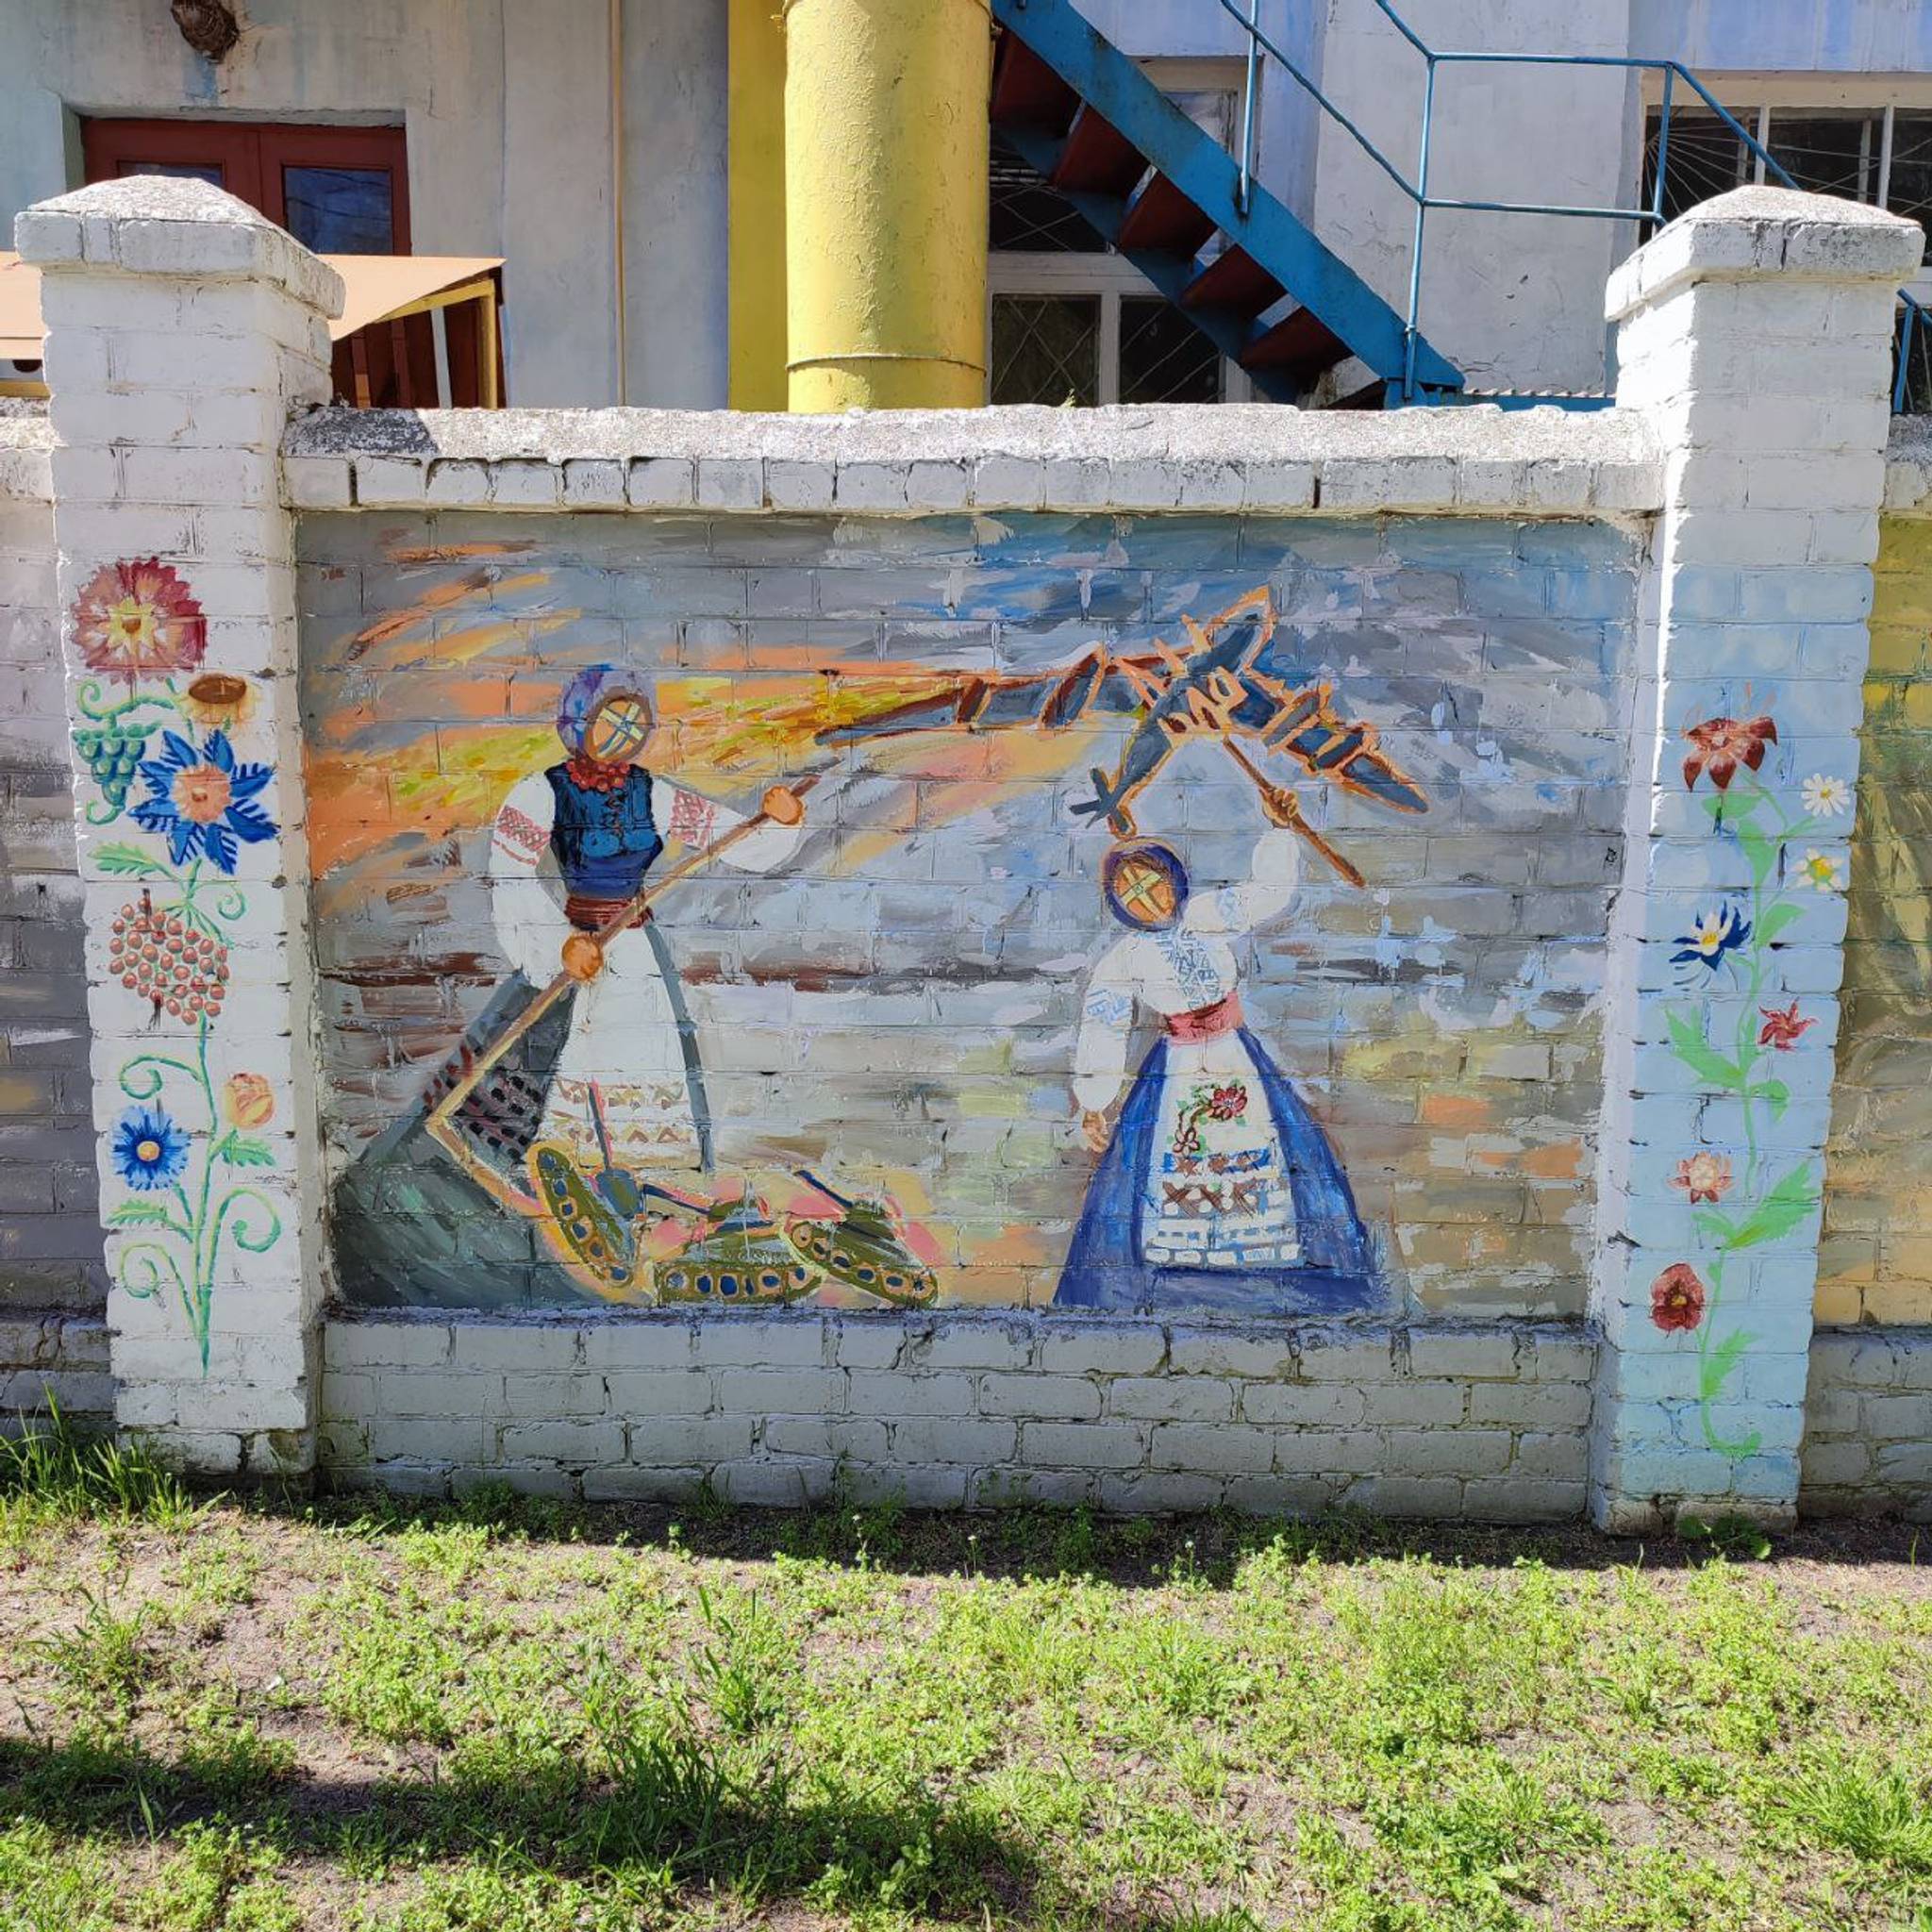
(1744, 1197)
(182, 1147)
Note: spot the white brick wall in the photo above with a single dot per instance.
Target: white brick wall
(938, 1410)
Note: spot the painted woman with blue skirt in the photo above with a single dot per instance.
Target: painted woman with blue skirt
(1216, 1188)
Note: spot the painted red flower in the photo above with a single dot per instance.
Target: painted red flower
(1704, 1176)
(1228, 1102)
(137, 620)
(1676, 1298)
(1720, 745)
(1782, 1028)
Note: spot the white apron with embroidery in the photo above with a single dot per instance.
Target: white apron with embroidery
(624, 1056)
(1215, 1193)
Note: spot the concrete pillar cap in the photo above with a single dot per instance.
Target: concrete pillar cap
(165, 224)
(1767, 231)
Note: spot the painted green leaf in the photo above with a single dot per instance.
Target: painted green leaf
(1761, 851)
(1716, 1230)
(1773, 1093)
(1778, 919)
(242, 1150)
(1718, 1362)
(141, 1214)
(1780, 1210)
(128, 861)
(1688, 1044)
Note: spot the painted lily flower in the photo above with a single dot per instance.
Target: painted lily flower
(1720, 745)
(1676, 1299)
(1782, 1028)
(1821, 869)
(148, 1150)
(1704, 1176)
(137, 620)
(201, 800)
(1824, 798)
(1712, 938)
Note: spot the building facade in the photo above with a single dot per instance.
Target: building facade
(624, 157)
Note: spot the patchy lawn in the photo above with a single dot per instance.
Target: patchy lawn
(515, 1718)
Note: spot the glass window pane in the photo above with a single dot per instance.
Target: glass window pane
(340, 211)
(1705, 158)
(1909, 192)
(1164, 358)
(1025, 213)
(1828, 153)
(209, 172)
(1047, 349)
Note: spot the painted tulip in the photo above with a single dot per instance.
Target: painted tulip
(248, 1100)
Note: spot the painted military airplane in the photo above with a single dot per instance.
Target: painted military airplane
(1215, 688)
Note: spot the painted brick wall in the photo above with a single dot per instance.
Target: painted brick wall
(50, 1238)
(1875, 1258)
(1481, 1422)
(900, 1001)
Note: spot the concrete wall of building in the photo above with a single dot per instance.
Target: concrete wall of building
(507, 114)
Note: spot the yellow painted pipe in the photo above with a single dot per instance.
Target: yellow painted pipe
(885, 203)
(757, 206)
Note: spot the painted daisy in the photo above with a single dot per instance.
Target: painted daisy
(148, 1151)
(1821, 869)
(1825, 796)
(1712, 937)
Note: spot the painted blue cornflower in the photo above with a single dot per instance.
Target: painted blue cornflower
(1712, 936)
(149, 1150)
(201, 800)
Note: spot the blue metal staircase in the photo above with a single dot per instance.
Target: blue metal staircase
(1160, 190)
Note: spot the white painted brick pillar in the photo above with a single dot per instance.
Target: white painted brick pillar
(1755, 333)
(181, 328)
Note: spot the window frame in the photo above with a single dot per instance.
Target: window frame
(1107, 276)
(252, 155)
(1756, 98)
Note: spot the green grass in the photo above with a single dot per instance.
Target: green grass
(503, 1716)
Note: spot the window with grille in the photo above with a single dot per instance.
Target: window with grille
(1074, 321)
(1879, 155)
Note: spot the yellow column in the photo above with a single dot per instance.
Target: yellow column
(758, 204)
(884, 201)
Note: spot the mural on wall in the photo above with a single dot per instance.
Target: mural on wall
(160, 755)
(935, 932)
(1744, 1197)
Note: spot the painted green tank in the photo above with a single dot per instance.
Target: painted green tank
(736, 1257)
(863, 1249)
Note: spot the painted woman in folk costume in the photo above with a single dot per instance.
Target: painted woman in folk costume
(1216, 1188)
(626, 1089)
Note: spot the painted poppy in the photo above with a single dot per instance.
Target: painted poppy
(137, 619)
(1676, 1299)
(1704, 1176)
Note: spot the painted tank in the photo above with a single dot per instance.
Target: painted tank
(736, 1257)
(862, 1249)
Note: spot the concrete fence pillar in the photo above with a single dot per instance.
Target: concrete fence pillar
(1756, 335)
(181, 328)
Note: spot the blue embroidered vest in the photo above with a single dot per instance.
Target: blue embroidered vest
(605, 841)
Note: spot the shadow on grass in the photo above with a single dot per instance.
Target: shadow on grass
(1031, 1543)
(672, 1812)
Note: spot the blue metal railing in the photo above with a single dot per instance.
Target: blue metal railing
(1915, 324)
